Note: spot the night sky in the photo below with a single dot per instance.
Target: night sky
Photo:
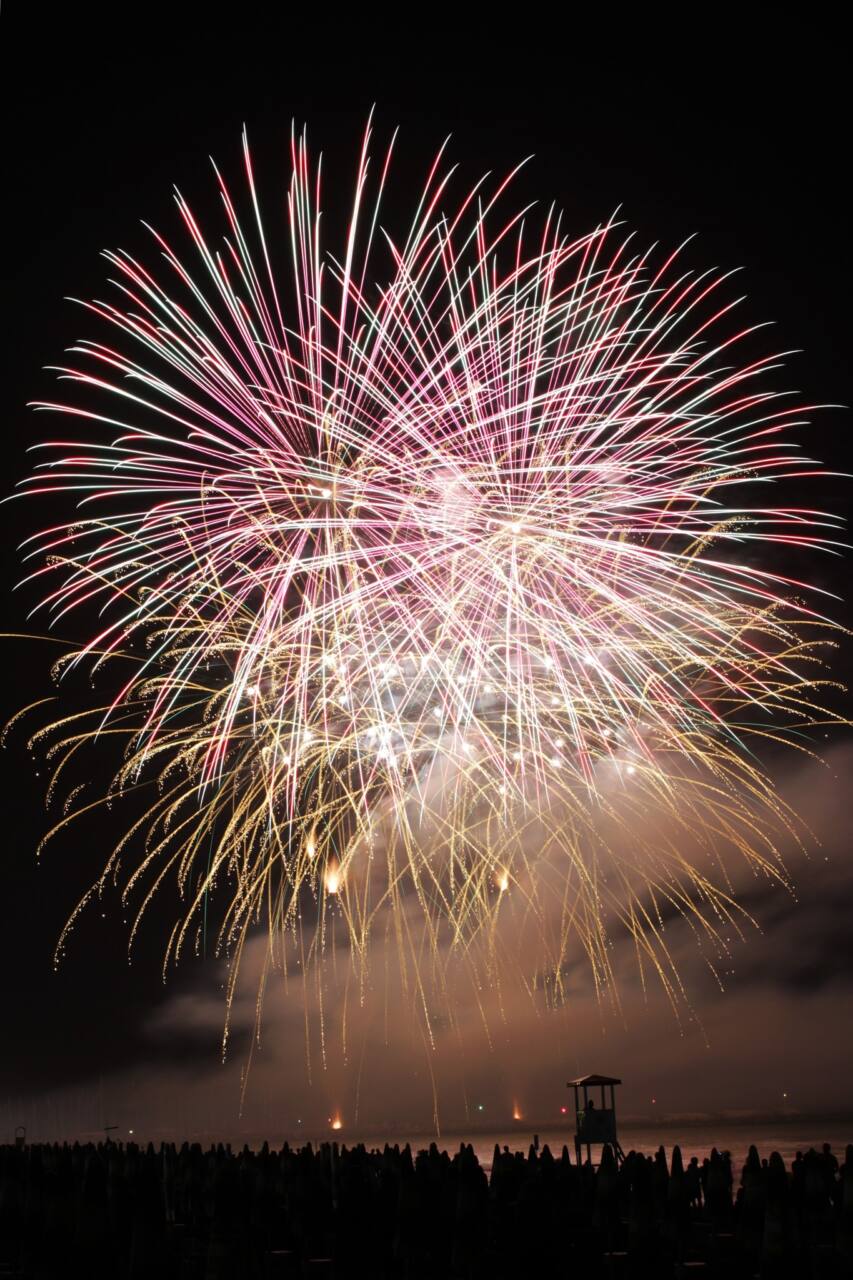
(740, 137)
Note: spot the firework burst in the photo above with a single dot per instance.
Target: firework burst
(433, 566)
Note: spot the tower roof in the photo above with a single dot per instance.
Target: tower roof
(590, 1080)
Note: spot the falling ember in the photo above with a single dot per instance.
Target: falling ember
(336, 1123)
(503, 882)
(332, 879)
(516, 1112)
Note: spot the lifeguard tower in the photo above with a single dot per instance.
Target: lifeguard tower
(595, 1125)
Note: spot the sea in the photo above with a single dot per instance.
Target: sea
(787, 1136)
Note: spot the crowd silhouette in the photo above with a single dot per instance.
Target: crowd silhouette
(116, 1211)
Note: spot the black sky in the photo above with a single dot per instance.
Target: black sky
(739, 136)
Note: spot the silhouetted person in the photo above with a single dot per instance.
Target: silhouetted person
(777, 1223)
(844, 1233)
(693, 1183)
(678, 1202)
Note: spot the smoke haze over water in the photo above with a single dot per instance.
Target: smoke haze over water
(775, 1041)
